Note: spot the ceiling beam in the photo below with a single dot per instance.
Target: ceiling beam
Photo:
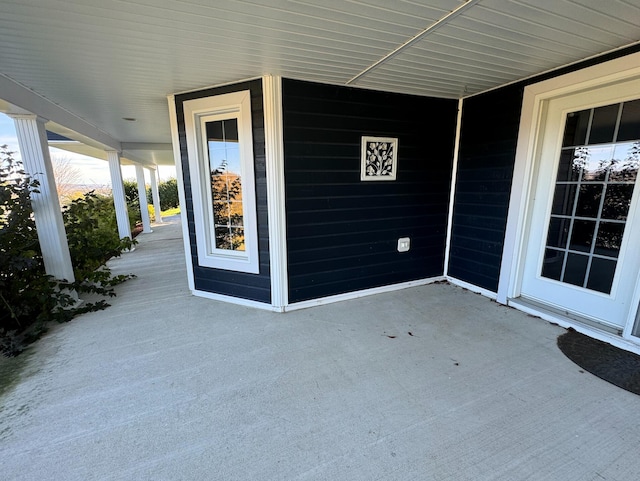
(17, 99)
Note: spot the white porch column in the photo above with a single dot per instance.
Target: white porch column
(117, 189)
(142, 197)
(153, 175)
(34, 150)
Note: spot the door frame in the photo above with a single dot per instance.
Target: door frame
(532, 121)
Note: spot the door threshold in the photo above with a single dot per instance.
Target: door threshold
(561, 316)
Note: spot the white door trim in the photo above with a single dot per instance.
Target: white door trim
(532, 117)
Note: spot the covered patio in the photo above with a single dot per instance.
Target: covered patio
(427, 383)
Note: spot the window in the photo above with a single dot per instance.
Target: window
(220, 151)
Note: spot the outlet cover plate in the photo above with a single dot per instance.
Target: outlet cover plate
(404, 244)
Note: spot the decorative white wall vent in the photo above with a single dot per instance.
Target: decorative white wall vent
(379, 158)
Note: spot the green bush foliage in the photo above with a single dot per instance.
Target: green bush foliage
(133, 202)
(168, 191)
(29, 298)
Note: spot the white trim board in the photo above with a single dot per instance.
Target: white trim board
(363, 293)
(175, 140)
(236, 300)
(274, 153)
(472, 287)
(452, 191)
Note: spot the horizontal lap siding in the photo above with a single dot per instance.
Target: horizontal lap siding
(342, 233)
(488, 139)
(486, 159)
(256, 287)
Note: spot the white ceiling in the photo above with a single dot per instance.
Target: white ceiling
(105, 60)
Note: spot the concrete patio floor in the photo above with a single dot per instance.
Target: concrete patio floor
(427, 383)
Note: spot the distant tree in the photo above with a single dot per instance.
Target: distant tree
(68, 178)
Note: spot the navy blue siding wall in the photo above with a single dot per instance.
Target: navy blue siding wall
(485, 170)
(255, 287)
(486, 159)
(342, 233)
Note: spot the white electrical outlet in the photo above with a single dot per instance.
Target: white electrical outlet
(404, 243)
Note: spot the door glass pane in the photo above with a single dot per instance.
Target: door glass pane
(576, 269)
(575, 132)
(609, 239)
(626, 159)
(617, 201)
(563, 199)
(630, 121)
(593, 191)
(595, 161)
(601, 275)
(589, 200)
(570, 165)
(582, 235)
(552, 266)
(603, 124)
(558, 232)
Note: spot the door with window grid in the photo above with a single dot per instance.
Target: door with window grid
(583, 251)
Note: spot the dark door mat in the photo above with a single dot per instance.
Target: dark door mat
(608, 362)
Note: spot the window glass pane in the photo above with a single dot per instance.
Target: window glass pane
(230, 130)
(601, 275)
(630, 122)
(221, 212)
(226, 183)
(563, 199)
(223, 238)
(609, 239)
(626, 159)
(575, 132)
(558, 232)
(214, 132)
(616, 201)
(237, 237)
(576, 269)
(589, 200)
(552, 267)
(569, 167)
(219, 191)
(582, 235)
(603, 124)
(235, 213)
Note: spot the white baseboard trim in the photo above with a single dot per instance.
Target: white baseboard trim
(236, 300)
(472, 288)
(363, 293)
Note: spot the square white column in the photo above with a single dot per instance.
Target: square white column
(117, 190)
(34, 150)
(155, 193)
(142, 196)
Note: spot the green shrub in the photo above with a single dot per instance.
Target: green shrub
(133, 202)
(92, 233)
(29, 298)
(168, 191)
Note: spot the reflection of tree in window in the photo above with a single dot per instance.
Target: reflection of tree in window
(226, 184)
(595, 180)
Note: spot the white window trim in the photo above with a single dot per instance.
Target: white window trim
(196, 113)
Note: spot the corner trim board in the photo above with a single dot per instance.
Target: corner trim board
(183, 211)
(274, 151)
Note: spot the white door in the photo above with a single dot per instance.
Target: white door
(582, 253)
